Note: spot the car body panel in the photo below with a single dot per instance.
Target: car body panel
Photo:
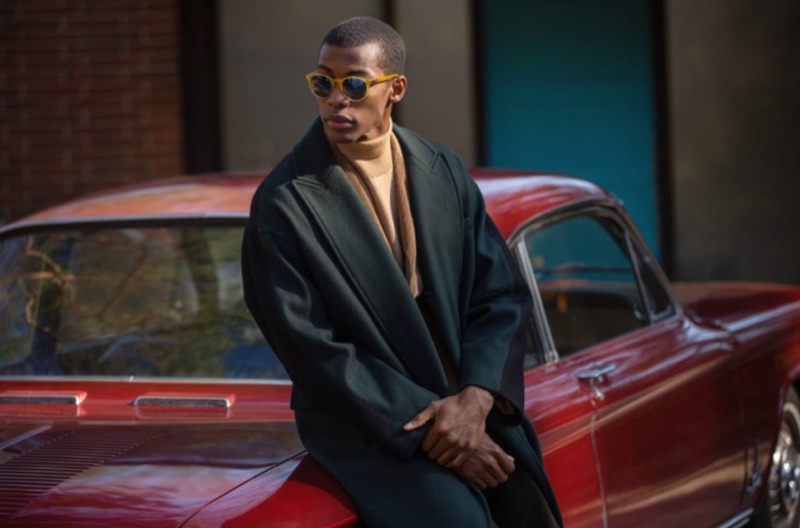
(123, 463)
(668, 427)
(562, 411)
(201, 195)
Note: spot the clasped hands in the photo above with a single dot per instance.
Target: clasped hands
(457, 438)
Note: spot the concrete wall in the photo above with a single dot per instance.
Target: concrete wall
(440, 103)
(734, 70)
(267, 48)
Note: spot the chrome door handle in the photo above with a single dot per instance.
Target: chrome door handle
(595, 373)
(595, 376)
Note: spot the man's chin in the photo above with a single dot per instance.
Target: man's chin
(342, 136)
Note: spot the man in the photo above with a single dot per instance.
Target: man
(392, 300)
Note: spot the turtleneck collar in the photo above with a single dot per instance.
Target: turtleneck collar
(374, 153)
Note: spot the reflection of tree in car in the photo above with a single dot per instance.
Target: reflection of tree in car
(129, 301)
(158, 296)
(32, 287)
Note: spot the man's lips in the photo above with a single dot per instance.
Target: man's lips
(338, 121)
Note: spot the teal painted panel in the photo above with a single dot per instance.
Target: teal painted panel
(569, 89)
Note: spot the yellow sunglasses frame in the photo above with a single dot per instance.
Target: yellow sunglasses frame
(336, 81)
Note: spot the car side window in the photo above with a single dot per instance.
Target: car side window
(587, 281)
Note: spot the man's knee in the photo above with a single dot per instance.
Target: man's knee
(438, 498)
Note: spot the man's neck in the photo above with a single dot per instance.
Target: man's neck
(370, 150)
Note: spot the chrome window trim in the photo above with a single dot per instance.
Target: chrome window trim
(100, 222)
(630, 249)
(144, 379)
(539, 317)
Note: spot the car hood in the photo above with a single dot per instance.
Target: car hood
(133, 475)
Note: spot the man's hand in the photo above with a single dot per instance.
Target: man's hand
(459, 424)
(488, 466)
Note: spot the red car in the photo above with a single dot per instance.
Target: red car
(136, 391)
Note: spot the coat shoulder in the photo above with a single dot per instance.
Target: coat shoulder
(424, 149)
(279, 177)
(275, 198)
(431, 154)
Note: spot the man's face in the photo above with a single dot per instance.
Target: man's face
(344, 120)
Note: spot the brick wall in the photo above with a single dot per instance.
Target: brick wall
(90, 97)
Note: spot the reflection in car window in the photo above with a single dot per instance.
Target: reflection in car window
(586, 281)
(129, 301)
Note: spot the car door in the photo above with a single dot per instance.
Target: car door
(562, 414)
(667, 431)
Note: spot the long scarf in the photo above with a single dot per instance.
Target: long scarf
(405, 222)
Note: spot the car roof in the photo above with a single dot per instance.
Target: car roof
(514, 197)
(511, 198)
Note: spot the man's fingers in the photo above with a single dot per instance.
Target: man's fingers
(421, 419)
(499, 474)
(500, 465)
(438, 448)
(446, 453)
(506, 463)
(483, 480)
(457, 460)
(451, 458)
(491, 481)
(428, 444)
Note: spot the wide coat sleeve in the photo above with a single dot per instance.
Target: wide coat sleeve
(497, 307)
(286, 301)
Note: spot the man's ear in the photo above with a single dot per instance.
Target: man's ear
(398, 89)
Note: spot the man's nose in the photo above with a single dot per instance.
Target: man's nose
(337, 98)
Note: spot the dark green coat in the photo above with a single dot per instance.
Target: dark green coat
(331, 300)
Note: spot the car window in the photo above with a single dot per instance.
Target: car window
(129, 301)
(586, 280)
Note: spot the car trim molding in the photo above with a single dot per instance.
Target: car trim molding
(26, 226)
(155, 400)
(41, 398)
(739, 521)
(542, 328)
(150, 379)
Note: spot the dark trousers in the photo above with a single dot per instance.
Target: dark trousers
(518, 503)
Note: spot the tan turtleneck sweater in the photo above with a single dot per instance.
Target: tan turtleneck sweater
(373, 161)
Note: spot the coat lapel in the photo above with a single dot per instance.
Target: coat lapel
(365, 259)
(434, 206)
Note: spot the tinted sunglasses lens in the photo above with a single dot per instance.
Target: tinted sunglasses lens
(321, 85)
(354, 88)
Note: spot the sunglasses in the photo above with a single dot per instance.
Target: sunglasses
(354, 88)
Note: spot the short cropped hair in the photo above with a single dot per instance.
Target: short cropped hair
(360, 31)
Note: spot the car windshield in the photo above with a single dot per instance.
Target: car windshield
(128, 300)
